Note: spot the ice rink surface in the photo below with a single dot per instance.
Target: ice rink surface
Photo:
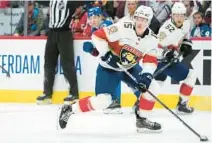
(30, 123)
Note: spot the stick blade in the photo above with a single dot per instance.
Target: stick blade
(203, 139)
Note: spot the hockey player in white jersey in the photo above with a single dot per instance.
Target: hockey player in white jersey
(174, 38)
(130, 44)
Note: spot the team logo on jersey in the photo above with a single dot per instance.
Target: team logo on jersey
(162, 36)
(129, 55)
(112, 29)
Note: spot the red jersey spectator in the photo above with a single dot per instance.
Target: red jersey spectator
(87, 30)
(4, 4)
(79, 20)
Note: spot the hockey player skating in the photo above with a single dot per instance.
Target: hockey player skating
(174, 37)
(129, 44)
(96, 21)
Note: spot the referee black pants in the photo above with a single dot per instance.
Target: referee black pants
(59, 42)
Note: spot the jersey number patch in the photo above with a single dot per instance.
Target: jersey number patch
(128, 25)
(170, 28)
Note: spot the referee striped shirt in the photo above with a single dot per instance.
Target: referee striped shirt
(61, 12)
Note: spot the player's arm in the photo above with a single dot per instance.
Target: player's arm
(89, 47)
(149, 66)
(166, 49)
(186, 45)
(103, 36)
(150, 58)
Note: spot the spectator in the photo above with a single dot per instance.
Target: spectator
(79, 20)
(106, 7)
(201, 29)
(131, 6)
(121, 9)
(45, 28)
(16, 4)
(87, 30)
(208, 16)
(162, 10)
(35, 22)
(205, 5)
(190, 10)
(4, 4)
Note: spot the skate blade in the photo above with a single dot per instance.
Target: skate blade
(113, 111)
(145, 130)
(44, 102)
(70, 102)
(182, 113)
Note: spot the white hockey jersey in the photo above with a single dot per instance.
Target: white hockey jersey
(170, 36)
(119, 43)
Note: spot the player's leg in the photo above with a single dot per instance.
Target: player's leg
(51, 56)
(180, 72)
(145, 104)
(106, 83)
(135, 71)
(118, 93)
(160, 78)
(115, 106)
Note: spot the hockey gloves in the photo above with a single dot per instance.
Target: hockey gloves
(89, 48)
(169, 55)
(145, 81)
(186, 47)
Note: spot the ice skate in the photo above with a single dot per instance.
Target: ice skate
(44, 99)
(183, 108)
(64, 114)
(70, 99)
(114, 108)
(146, 126)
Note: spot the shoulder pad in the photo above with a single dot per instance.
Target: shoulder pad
(112, 32)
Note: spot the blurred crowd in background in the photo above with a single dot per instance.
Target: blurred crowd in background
(12, 15)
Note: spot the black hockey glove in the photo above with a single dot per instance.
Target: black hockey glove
(145, 81)
(169, 55)
(186, 47)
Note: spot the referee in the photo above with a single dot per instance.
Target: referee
(59, 42)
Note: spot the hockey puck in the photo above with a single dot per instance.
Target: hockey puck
(203, 139)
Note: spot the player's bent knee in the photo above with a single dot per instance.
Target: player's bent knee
(101, 101)
(161, 77)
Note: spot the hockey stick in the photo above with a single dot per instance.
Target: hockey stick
(167, 65)
(7, 73)
(202, 138)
